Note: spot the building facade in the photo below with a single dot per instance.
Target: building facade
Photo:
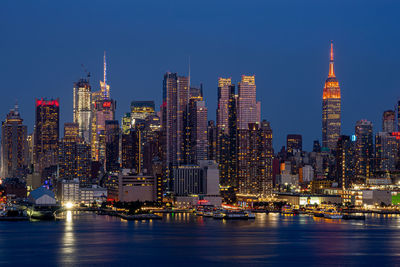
(46, 133)
(331, 108)
(14, 147)
(82, 108)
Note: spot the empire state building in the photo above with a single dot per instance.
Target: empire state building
(331, 122)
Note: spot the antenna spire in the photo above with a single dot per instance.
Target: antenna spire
(105, 88)
(105, 69)
(331, 69)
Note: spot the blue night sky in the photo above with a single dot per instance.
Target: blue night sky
(284, 43)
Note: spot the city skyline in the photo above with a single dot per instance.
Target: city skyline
(274, 60)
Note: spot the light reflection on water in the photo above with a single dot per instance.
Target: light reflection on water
(184, 239)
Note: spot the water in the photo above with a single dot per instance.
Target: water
(184, 239)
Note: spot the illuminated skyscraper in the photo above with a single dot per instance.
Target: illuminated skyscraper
(386, 151)
(389, 121)
(74, 157)
(46, 133)
(140, 110)
(14, 149)
(248, 110)
(175, 101)
(103, 110)
(227, 151)
(364, 150)
(195, 119)
(255, 155)
(223, 102)
(82, 108)
(345, 161)
(331, 109)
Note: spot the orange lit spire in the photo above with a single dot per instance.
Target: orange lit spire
(331, 70)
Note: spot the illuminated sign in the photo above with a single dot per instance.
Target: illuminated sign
(397, 135)
(107, 104)
(353, 138)
(310, 200)
(41, 102)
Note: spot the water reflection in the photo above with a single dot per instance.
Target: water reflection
(68, 250)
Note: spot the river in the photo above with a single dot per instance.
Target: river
(185, 239)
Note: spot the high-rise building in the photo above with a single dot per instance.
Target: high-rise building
(74, 157)
(103, 110)
(254, 160)
(82, 108)
(212, 140)
(398, 115)
(248, 110)
(224, 91)
(227, 151)
(195, 120)
(140, 110)
(386, 151)
(294, 142)
(14, 149)
(112, 145)
(363, 150)
(126, 123)
(389, 121)
(345, 161)
(331, 110)
(175, 101)
(46, 133)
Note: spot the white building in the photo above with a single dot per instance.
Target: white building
(308, 173)
(42, 196)
(89, 195)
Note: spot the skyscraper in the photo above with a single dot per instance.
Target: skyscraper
(227, 150)
(331, 110)
(224, 88)
(386, 151)
(175, 101)
(112, 145)
(46, 133)
(104, 110)
(212, 140)
(14, 149)
(195, 120)
(294, 142)
(140, 110)
(255, 155)
(344, 161)
(74, 156)
(248, 110)
(389, 121)
(82, 98)
(363, 150)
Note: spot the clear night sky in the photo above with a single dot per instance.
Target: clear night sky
(284, 43)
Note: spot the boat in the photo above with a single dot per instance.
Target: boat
(287, 210)
(319, 213)
(332, 214)
(146, 216)
(250, 215)
(218, 215)
(236, 215)
(207, 214)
